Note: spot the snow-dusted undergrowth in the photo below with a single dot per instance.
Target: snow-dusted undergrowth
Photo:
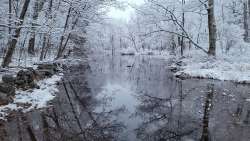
(33, 99)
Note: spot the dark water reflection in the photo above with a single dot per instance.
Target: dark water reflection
(135, 99)
(170, 109)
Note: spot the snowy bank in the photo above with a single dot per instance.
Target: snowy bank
(33, 99)
(227, 67)
(148, 52)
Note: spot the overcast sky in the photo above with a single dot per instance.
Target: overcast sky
(124, 14)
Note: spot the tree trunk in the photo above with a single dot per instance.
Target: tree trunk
(63, 47)
(37, 9)
(43, 47)
(10, 15)
(48, 46)
(211, 28)
(31, 46)
(12, 43)
(248, 9)
(183, 25)
(112, 45)
(49, 11)
(46, 38)
(60, 48)
(245, 21)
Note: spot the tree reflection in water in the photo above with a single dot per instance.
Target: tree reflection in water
(162, 107)
(207, 109)
(71, 118)
(164, 118)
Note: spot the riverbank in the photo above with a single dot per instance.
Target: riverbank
(45, 86)
(231, 66)
(225, 67)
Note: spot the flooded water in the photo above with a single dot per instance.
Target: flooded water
(126, 98)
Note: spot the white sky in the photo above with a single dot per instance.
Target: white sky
(124, 14)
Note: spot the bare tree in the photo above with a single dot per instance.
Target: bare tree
(211, 28)
(10, 15)
(245, 13)
(60, 48)
(43, 47)
(37, 9)
(12, 43)
(46, 37)
(183, 25)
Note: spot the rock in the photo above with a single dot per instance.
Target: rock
(182, 75)
(25, 79)
(128, 54)
(48, 67)
(174, 69)
(45, 73)
(7, 92)
(35, 75)
(33, 85)
(24, 76)
(5, 99)
(47, 70)
(8, 79)
(150, 53)
(179, 63)
(8, 89)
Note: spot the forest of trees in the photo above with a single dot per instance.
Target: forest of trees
(45, 29)
(72, 72)
(36, 28)
(211, 26)
(40, 30)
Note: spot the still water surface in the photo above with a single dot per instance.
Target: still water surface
(126, 98)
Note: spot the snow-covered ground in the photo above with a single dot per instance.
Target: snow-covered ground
(233, 66)
(33, 99)
(36, 98)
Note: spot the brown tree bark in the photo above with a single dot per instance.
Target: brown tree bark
(211, 28)
(12, 43)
